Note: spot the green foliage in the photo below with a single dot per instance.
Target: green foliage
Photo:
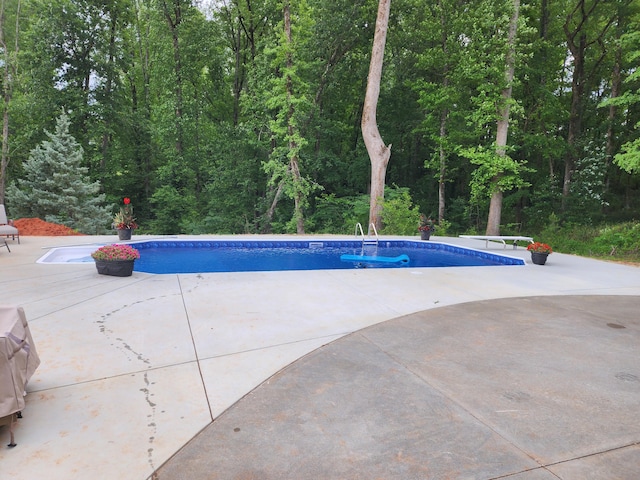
(174, 211)
(622, 239)
(619, 242)
(288, 100)
(629, 157)
(544, 201)
(56, 186)
(234, 183)
(587, 198)
(494, 173)
(574, 239)
(399, 215)
(458, 217)
(445, 228)
(183, 119)
(339, 215)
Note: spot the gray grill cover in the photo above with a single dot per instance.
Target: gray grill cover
(18, 358)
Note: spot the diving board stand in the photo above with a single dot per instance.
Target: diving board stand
(500, 238)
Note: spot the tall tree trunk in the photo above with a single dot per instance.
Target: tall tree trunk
(616, 85)
(578, 43)
(502, 131)
(545, 18)
(575, 120)
(272, 209)
(444, 116)
(238, 76)
(106, 136)
(141, 133)
(379, 153)
(443, 163)
(9, 74)
(294, 166)
(174, 22)
(244, 28)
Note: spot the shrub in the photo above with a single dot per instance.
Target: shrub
(399, 215)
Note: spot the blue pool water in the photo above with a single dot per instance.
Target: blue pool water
(242, 256)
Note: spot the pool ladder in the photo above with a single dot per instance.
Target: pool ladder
(368, 240)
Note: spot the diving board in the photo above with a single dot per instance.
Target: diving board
(500, 238)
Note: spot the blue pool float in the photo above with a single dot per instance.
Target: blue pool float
(375, 259)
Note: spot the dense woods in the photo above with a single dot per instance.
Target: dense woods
(244, 116)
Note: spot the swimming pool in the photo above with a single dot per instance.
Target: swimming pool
(199, 256)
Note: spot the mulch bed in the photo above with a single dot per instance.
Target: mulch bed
(36, 227)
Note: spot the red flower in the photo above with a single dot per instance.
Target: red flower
(539, 247)
(124, 218)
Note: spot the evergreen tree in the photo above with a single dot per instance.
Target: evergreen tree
(56, 186)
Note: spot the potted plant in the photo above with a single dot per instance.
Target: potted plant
(124, 221)
(426, 227)
(539, 252)
(116, 260)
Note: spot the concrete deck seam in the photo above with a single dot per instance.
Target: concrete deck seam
(589, 455)
(110, 377)
(195, 350)
(448, 397)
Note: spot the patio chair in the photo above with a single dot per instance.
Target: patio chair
(6, 226)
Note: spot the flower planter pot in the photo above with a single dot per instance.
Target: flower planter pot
(116, 268)
(425, 234)
(539, 258)
(124, 233)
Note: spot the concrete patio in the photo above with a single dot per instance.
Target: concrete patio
(133, 369)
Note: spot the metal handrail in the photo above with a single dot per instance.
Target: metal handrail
(372, 225)
(366, 240)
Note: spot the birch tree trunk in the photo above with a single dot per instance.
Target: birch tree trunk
(502, 131)
(379, 153)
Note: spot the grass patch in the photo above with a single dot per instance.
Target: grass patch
(620, 243)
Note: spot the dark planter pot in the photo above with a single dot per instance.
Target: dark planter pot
(425, 234)
(539, 258)
(116, 268)
(124, 233)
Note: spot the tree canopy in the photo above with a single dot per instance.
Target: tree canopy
(56, 186)
(244, 116)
